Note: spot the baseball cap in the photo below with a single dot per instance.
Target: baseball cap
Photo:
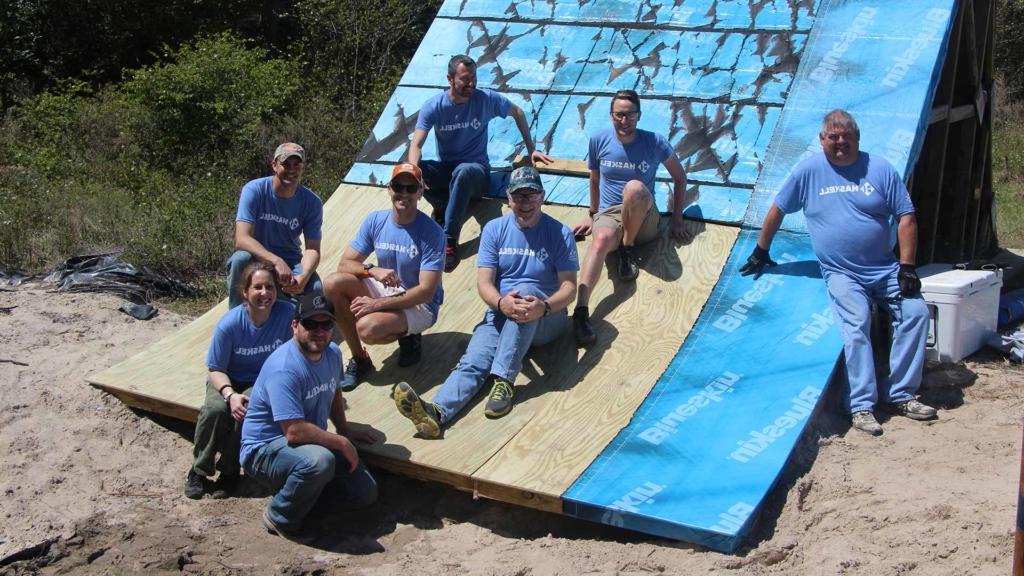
(313, 305)
(410, 169)
(525, 177)
(289, 149)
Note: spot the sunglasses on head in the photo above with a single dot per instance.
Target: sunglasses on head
(310, 324)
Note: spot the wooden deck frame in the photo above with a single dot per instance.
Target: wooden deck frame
(570, 403)
(951, 186)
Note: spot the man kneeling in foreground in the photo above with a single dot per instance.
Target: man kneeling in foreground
(285, 442)
(526, 274)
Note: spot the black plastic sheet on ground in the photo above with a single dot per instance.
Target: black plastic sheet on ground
(108, 273)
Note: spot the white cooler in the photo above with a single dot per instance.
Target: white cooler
(964, 305)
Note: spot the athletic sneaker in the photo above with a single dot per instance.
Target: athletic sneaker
(581, 328)
(451, 256)
(357, 371)
(865, 422)
(426, 416)
(299, 537)
(914, 410)
(409, 349)
(195, 485)
(499, 402)
(225, 486)
(628, 267)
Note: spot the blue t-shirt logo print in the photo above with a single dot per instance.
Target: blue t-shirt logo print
(414, 251)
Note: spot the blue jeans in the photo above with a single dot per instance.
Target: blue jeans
(299, 474)
(851, 308)
(498, 346)
(237, 263)
(450, 187)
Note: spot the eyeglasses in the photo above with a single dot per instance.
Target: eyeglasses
(404, 188)
(525, 198)
(626, 115)
(835, 136)
(310, 324)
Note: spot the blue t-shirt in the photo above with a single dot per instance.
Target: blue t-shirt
(461, 129)
(618, 163)
(533, 256)
(848, 210)
(277, 222)
(405, 249)
(290, 387)
(239, 348)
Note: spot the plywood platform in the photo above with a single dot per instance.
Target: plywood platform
(569, 403)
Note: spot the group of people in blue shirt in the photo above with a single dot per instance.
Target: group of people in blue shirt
(275, 377)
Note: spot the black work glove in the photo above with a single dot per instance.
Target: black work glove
(910, 284)
(758, 259)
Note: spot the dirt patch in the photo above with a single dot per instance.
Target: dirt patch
(90, 486)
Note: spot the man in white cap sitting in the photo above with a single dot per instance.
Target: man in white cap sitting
(273, 212)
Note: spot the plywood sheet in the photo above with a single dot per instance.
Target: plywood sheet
(638, 334)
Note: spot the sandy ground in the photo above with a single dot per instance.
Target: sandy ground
(90, 486)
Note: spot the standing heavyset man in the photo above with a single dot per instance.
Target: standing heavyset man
(285, 442)
(272, 212)
(526, 274)
(459, 117)
(623, 162)
(848, 197)
(400, 296)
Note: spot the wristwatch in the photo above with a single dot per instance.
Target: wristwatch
(367, 266)
(547, 308)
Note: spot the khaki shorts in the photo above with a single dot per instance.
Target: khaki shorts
(418, 318)
(611, 217)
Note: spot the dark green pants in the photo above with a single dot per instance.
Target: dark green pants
(217, 432)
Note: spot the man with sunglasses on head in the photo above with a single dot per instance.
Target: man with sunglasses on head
(526, 274)
(272, 213)
(459, 117)
(285, 442)
(398, 297)
(623, 162)
(848, 197)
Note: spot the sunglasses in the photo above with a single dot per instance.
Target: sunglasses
(626, 115)
(405, 188)
(525, 198)
(310, 324)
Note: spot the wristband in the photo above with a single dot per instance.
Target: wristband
(498, 305)
(547, 309)
(220, 390)
(592, 212)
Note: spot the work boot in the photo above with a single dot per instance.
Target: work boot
(914, 410)
(581, 328)
(499, 402)
(451, 255)
(409, 349)
(864, 421)
(426, 416)
(195, 486)
(629, 269)
(357, 371)
(299, 537)
(225, 486)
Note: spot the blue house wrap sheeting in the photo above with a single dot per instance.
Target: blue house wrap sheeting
(739, 87)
